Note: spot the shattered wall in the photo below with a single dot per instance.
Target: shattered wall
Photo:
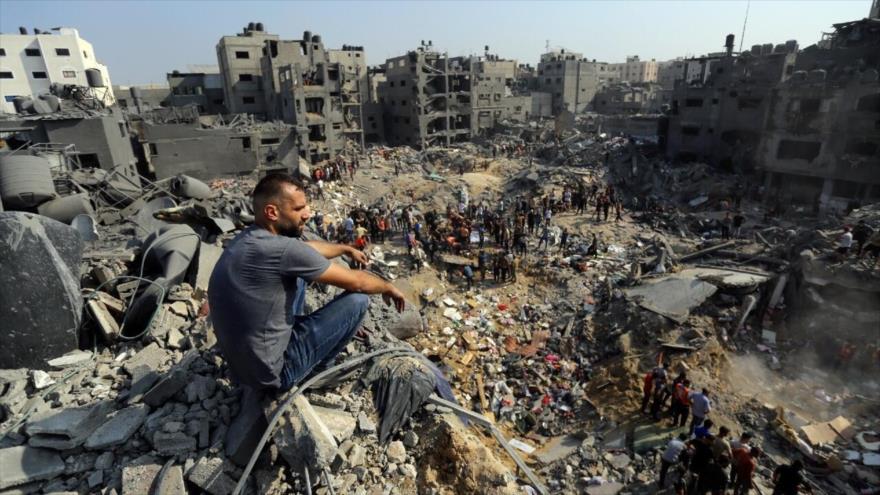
(209, 153)
(239, 60)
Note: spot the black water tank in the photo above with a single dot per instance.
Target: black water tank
(94, 78)
(260, 26)
(251, 26)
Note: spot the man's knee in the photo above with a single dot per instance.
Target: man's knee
(359, 302)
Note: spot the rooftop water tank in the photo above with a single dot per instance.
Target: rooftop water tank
(94, 78)
(25, 181)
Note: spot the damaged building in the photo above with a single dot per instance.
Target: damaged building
(572, 80)
(629, 99)
(320, 91)
(821, 142)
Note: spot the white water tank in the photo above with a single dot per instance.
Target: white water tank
(25, 181)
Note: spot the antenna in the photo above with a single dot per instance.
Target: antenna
(746, 20)
(547, 46)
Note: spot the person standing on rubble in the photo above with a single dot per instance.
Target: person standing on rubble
(745, 461)
(670, 457)
(658, 379)
(844, 242)
(681, 403)
(726, 224)
(482, 264)
(563, 241)
(468, 273)
(545, 237)
(258, 289)
(788, 480)
(647, 389)
(701, 406)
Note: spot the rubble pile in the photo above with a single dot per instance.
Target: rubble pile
(521, 380)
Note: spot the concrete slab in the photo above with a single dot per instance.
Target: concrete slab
(209, 474)
(558, 448)
(612, 488)
(75, 358)
(647, 437)
(171, 482)
(303, 439)
(64, 429)
(174, 443)
(138, 479)
(118, 429)
(23, 464)
(341, 423)
(166, 387)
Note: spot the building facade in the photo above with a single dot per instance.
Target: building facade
(240, 69)
(635, 70)
(31, 63)
(571, 79)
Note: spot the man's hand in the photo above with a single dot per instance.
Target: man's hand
(359, 256)
(393, 295)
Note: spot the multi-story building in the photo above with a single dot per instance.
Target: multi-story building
(319, 91)
(426, 98)
(629, 99)
(720, 119)
(635, 70)
(821, 141)
(31, 63)
(202, 88)
(239, 59)
(571, 79)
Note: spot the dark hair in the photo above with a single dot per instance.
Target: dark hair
(723, 431)
(797, 464)
(270, 187)
(708, 423)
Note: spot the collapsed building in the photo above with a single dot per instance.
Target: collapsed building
(629, 99)
(806, 119)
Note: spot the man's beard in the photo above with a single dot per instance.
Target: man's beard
(289, 229)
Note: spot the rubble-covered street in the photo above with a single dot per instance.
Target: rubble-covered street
(549, 350)
(437, 274)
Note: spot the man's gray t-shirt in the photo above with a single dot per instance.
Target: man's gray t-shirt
(251, 295)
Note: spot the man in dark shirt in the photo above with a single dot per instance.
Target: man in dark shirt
(788, 479)
(257, 293)
(713, 479)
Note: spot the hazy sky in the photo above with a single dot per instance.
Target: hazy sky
(140, 41)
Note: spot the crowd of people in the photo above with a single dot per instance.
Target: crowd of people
(704, 460)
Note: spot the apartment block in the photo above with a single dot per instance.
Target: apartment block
(635, 70)
(629, 99)
(821, 142)
(571, 79)
(31, 62)
(239, 59)
(720, 119)
(320, 91)
(426, 98)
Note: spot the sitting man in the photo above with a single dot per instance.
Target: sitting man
(257, 292)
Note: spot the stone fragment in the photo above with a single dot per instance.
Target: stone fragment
(200, 388)
(356, 455)
(137, 479)
(365, 424)
(173, 443)
(107, 325)
(71, 359)
(328, 400)
(23, 464)
(151, 357)
(41, 379)
(396, 452)
(209, 475)
(176, 339)
(64, 429)
(171, 482)
(558, 448)
(408, 470)
(410, 439)
(119, 428)
(166, 387)
(105, 460)
(204, 433)
(95, 479)
(303, 439)
(339, 422)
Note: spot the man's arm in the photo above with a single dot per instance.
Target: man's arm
(363, 282)
(330, 250)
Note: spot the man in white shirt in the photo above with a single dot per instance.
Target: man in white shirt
(670, 456)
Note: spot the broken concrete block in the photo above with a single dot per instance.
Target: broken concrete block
(303, 439)
(95, 479)
(166, 387)
(150, 357)
(105, 460)
(107, 325)
(558, 448)
(339, 422)
(396, 452)
(138, 479)
(209, 475)
(175, 339)
(410, 439)
(71, 359)
(64, 429)
(171, 482)
(246, 429)
(200, 388)
(365, 424)
(40, 301)
(41, 379)
(173, 443)
(356, 455)
(118, 429)
(23, 464)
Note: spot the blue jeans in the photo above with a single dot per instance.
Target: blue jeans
(319, 336)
